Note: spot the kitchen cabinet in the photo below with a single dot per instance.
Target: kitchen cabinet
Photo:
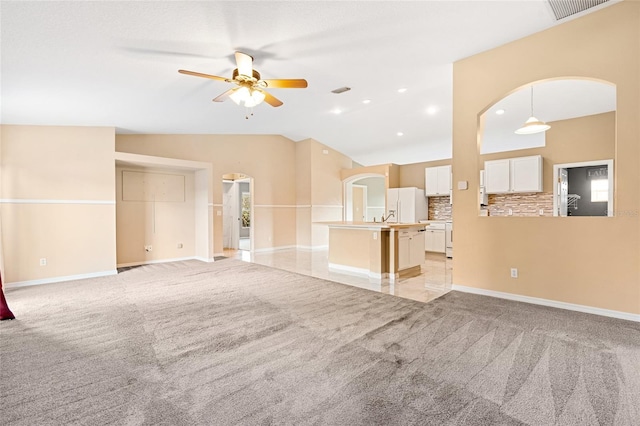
(408, 205)
(410, 249)
(520, 174)
(434, 240)
(437, 181)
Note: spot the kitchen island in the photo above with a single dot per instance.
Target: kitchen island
(377, 250)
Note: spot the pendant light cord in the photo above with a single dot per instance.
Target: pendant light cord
(532, 100)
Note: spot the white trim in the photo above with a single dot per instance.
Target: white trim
(204, 259)
(297, 206)
(312, 248)
(214, 205)
(60, 279)
(291, 206)
(546, 302)
(150, 262)
(610, 176)
(352, 270)
(38, 201)
(270, 249)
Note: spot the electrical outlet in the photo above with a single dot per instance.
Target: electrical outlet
(43, 261)
(510, 213)
(148, 248)
(514, 272)
(541, 212)
(375, 235)
(180, 245)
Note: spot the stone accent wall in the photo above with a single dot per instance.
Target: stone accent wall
(524, 204)
(439, 208)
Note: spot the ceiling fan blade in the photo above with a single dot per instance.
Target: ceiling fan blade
(223, 97)
(199, 74)
(244, 63)
(291, 83)
(271, 100)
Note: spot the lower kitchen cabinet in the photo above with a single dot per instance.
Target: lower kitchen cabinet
(410, 249)
(434, 240)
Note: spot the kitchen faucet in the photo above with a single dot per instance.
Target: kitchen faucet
(391, 213)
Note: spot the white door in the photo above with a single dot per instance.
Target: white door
(358, 203)
(563, 192)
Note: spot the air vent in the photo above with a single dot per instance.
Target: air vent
(341, 90)
(564, 8)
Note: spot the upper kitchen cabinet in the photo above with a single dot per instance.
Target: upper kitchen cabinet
(437, 181)
(521, 174)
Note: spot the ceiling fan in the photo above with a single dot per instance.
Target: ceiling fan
(250, 87)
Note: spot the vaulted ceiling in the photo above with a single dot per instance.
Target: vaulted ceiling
(115, 64)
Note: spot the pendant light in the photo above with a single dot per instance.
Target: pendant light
(532, 125)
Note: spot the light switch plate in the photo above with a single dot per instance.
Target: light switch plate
(463, 184)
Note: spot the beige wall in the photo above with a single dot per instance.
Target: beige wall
(268, 159)
(58, 202)
(413, 174)
(303, 193)
(162, 224)
(319, 190)
(590, 261)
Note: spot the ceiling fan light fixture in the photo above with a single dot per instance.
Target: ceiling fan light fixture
(247, 97)
(532, 125)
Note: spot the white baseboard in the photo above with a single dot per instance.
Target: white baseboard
(204, 259)
(270, 249)
(60, 279)
(151, 262)
(352, 270)
(312, 248)
(552, 303)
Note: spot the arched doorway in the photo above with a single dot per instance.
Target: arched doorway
(364, 197)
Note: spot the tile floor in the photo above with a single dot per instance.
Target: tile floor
(433, 282)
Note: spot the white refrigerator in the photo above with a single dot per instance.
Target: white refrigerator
(406, 205)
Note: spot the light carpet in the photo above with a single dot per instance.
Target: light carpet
(191, 343)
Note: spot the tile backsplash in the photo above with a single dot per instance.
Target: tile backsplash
(523, 204)
(439, 208)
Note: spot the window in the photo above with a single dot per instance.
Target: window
(246, 209)
(599, 190)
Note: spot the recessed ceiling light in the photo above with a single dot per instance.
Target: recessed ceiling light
(402, 90)
(337, 111)
(500, 112)
(432, 110)
(366, 101)
(400, 133)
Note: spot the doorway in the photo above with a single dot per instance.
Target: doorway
(237, 212)
(364, 197)
(359, 203)
(583, 189)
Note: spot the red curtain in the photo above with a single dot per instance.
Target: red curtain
(5, 312)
